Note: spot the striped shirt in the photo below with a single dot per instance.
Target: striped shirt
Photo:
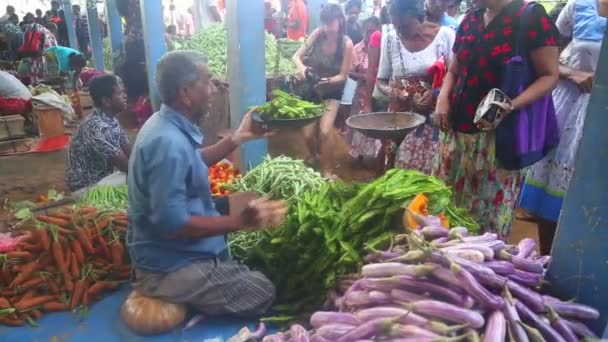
(98, 139)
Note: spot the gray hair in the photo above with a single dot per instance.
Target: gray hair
(177, 69)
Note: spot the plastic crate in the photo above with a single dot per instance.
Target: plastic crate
(11, 127)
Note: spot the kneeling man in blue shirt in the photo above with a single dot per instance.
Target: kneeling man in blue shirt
(177, 238)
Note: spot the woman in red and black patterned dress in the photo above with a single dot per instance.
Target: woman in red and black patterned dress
(484, 41)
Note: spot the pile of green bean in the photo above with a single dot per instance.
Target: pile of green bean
(280, 178)
(213, 42)
(113, 197)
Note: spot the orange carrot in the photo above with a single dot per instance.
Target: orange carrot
(4, 303)
(121, 223)
(52, 285)
(60, 261)
(27, 295)
(26, 272)
(54, 306)
(77, 251)
(34, 248)
(101, 286)
(117, 251)
(5, 276)
(33, 282)
(13, 322)
(60, 215)
(53, 220)
(64, 231)
(88, 213)
(29, 303)
(18, 255)
(79, 289)
(75, 267)
(45, 240)
(83, 238)
(103, 246)
(85, 296)
(67, 254)
(103, 223)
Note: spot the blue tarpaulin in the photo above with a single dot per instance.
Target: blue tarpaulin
(103, 323)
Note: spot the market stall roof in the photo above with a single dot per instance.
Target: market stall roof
(103, 323)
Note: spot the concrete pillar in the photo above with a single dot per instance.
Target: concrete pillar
(69, 21)
(579, 267)
(246, 68)
(314, 13)
(154, 41)
(96, 37)
(114, 23)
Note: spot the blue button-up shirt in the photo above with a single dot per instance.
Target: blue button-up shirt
(168, 185)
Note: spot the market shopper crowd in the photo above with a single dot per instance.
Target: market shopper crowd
(405, 56)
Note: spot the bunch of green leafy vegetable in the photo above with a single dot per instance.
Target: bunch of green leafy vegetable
(288, 47)
(287, 106)
(114, 197)
(328, 231)
(108, 58)
(213, 42)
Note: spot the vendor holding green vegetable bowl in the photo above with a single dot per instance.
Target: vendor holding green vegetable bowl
(325, 61)
(176, 237)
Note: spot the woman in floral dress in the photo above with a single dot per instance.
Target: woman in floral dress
(408, 53)
(484, 41)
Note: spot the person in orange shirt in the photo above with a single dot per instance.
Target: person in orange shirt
(297, 20)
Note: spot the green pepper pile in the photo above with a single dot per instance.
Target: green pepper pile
(327, 232)
(286, 106)
(213, 42)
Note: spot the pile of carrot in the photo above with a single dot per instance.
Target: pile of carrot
(66, 260)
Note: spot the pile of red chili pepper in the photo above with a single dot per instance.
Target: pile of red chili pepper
(220, 174)
(63, 261)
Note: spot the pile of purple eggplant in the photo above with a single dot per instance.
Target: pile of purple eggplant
(442, 285)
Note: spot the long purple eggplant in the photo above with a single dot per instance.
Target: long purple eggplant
(439, 241)
(424, 286)
(319, 338)
(517, 331)
(367, 330)
(484, 237)
(447, 261)
(278, 337)
(433, 232)
(389, 269)
(544, 260)
(531, 318)
(580, 329)
(476, 290)
(385, 312)
(529, 297)
(526, 278)
(447, 312)
(496, 329)
(458, 233)
(526, 247)
(405, 296)
(380, 256)
(562, 327)
(321, 318)
(447, 276)
(472, 255)
(500, 267)
(574, 310)
(533, 334)
(402, 330)
(298, 334)
(522, 263)
(334, 331)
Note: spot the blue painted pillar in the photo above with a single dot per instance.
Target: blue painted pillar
(314, 13)
(247, 68)
(96, 37)
(580, 251)
(69, 22)
(114, 23)
(154, 41)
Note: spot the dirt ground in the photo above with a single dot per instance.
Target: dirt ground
(24, 177)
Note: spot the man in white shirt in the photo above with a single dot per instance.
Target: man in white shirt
(206, 14)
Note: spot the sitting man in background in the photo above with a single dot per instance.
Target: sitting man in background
(99, 151)
(177, 237)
